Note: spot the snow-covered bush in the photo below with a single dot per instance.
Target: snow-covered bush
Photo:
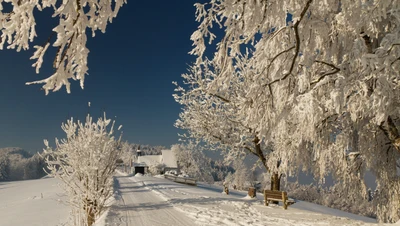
(184, 175)
(332, 197)
(85, 162)
(242, 178)
(156, 169)
(171, 172)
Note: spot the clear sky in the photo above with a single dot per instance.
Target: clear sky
(131, 69)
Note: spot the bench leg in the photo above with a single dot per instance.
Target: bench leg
(284, 199)
(265, 199)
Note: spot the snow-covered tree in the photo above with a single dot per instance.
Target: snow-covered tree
(127, 153)
(18, 164)
(18, 31)
(85, 162)
(319, 81)
(192, 160)
(241, 179)
(4, 167)
(34, 167)
(220, 169)
(212, 114)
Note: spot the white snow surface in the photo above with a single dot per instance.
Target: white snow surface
(38, 202)
(156, 201)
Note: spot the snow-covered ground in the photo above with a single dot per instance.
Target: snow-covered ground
(157, 201)
(32, 203)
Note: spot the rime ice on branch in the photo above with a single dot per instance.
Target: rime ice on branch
(315, 80)
(85, 162)
(18, 30)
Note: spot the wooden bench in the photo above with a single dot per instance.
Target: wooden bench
(280, 196)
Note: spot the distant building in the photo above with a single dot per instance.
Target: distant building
(143, 162)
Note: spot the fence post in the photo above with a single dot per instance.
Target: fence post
(252, 192)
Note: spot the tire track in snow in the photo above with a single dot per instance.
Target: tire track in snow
(176, 204)
(139, 205)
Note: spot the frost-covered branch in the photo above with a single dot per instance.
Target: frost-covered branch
(300, 75)
(297, 45)
(334, 71)
(18, 31)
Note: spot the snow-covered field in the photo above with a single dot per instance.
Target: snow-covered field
(32, 203)
(157, 201)
(143, 200)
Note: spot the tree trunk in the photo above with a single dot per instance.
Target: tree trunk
(90, 212)
(275, 184)
(90, 218)
(260, 153)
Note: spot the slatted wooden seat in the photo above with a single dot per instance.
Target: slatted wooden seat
(280, 196)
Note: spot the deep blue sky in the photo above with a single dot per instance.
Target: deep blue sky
(131, 68)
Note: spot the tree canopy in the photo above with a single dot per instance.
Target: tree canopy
(317, 81)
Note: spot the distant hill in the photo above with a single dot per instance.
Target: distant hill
(15, 151)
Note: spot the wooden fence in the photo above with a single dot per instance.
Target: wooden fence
(183, 180)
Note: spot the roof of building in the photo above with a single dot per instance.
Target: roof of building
(169, 159)
(148, 160)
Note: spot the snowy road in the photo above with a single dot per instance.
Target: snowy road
(138, 205)
(156, 201)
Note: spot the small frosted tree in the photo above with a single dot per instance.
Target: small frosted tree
(193, 161)
(127, 155)
(85, 162)
(241, 178)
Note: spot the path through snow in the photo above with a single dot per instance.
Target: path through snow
(157, 201)
(137, 205)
